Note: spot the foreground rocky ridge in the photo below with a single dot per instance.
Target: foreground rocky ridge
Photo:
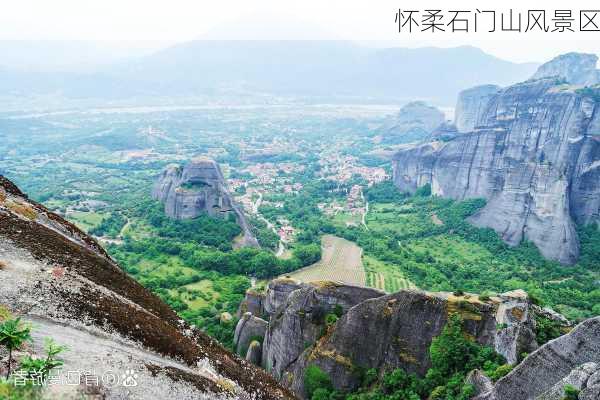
(61, 281)
(572, 359)
(199, 188)
(375, 330)
(533, 153)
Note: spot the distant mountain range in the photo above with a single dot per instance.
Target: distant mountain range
(318, 70)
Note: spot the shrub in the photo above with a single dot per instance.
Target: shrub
(500, 372)
(571, 393)
(315, 378)
(12, 335)
(331, 319)
(424, 191)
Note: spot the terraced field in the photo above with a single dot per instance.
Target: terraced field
(341, 262)
(384, 276)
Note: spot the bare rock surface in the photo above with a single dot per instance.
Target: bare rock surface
(249, 328)
(534, 156)
(570, 359)
(575, 68)
(471, 105)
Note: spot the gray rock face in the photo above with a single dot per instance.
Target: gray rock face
(300, 321)
(378, 330)
(416, 118)
(277, 293)
(575, 68)
(535, 157)
(573, 358)
(199, 188)
(470, 106)
(254, 303)
(400, 328)
(578, 378)
(480, 382)
(249, 328)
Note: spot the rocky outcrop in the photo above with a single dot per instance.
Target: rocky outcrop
(199, 188)
(278, 291)
(300, 322)
(254, 354)
(401, 326)
(471, 105)
(60, 280)
(249, 328)
(254, 303)
(571, 359)
(414, 121)
(574, 68)
(534, 155)
(381, 331)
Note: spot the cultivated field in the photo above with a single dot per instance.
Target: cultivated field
(384, 276)
(341, 262)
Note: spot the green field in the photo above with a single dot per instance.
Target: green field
(85, 220)
(385, 276)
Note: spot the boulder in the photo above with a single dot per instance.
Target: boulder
(278, 291)
(480, 382)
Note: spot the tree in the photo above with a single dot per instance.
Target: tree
(12, 335)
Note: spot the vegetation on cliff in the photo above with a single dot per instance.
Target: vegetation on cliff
(452, 355)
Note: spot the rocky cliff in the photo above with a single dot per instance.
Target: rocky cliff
(534, 154)
(380, 331)
(572, 359)
(199, 188)
(471, 104)
(60, 280)
(574, 68)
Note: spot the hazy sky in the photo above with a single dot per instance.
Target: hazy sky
(155, 23)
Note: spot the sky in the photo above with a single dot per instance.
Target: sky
(153, 24)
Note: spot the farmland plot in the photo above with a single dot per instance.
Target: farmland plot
(341, 262)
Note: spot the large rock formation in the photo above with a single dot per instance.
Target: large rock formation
(380, 331)
(470, 106)
(414, 121)
(574, 68)
(59, 279)
(571, 359)
(534, 155)
(199, 188)
(249, 328)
